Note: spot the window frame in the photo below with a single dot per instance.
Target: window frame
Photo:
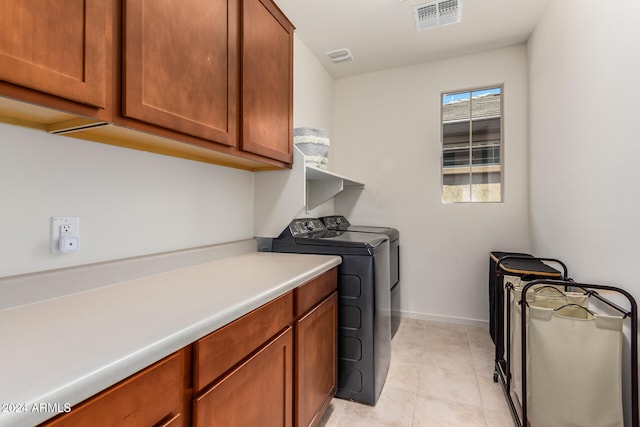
(470, 166)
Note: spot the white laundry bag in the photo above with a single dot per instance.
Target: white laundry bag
(575, 374)
(544, 296)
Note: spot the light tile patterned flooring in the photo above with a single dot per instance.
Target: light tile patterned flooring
(441, 375)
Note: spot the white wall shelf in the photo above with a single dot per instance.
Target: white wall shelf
(322, 185)
(282, 195)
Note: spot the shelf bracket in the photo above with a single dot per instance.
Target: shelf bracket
(320, 191)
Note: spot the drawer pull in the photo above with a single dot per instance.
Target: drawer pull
(166, 422)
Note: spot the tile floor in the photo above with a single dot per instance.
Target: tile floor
(441, 375)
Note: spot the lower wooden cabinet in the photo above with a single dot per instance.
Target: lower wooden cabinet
(152, 397)
(289, 381)
(316, 359)
(316, 330)
(221, 350)
(259, 392)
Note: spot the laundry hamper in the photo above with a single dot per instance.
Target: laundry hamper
(496, 319)
(570, 364)
(503, 266)
(575, 363)
(540, 296)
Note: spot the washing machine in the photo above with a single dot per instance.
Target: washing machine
(339, 222)
(364, 301)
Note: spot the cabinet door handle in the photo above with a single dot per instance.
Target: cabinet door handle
(166, 422)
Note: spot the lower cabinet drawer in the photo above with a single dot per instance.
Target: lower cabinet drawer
(314, 291)
(259, 392)
(152, 397)
(224, 348)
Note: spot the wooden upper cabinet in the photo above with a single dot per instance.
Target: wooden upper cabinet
(209, 80)
(181, 66)
(267, 81)
(56, 46)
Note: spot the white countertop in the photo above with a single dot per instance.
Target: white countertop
(63, 350)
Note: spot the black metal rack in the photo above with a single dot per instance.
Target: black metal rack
(503, 372)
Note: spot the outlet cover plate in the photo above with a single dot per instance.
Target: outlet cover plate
(58, 221)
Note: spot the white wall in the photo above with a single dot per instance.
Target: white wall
(388, 135)
(312, 104)
(312, 90)
(584, 68)
(129, 202)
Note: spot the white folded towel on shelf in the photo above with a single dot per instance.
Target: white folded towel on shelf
(314, 144)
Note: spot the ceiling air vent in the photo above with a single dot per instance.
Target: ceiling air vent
(340, 55)
(436, 14)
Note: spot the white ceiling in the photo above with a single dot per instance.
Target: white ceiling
(382, 34)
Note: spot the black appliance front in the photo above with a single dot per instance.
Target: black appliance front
(364, 312)
(364, 321)
(339, 222)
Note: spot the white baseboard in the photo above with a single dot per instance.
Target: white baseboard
(445, 319)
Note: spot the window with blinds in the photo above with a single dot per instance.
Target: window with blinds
(472, 146)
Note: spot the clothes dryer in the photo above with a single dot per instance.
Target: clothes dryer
(339, 222)
(364, 312)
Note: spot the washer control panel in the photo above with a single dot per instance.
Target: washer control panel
(305, 226)
(336, 222)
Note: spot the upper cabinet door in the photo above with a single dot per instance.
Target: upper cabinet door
(55, 46)
(267, 81)
(181, 66)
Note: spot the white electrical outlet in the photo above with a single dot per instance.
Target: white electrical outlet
(65, 228)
